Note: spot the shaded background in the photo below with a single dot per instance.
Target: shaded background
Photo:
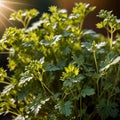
(91, 19)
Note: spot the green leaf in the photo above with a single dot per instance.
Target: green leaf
(7, 89)
(99, 25)
(53, 9)
(51, 67)
(3, 74)
(117, 90)
(25, 79)
(106, 110)
(65, 108)
(116, 60)
(45, 42)
(78, 79)
(108, 61)
(56, 38)
(37, 103)
(20, 118)
(61, 64)
(67, 83)
(87, 92)
(108, 86)
(66, 51)
(78, 60)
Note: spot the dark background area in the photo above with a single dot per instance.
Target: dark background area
(91, 19)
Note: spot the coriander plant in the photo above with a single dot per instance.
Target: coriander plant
(60, 71)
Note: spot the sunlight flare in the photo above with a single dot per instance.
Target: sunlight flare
(1, 3)
(6, 8)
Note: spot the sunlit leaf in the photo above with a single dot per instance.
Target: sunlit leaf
(87, 92)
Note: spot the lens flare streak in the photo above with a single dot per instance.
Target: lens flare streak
(6, 8)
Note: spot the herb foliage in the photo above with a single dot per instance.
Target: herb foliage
(60, 70)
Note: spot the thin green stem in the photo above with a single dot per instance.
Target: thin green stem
(64, 96)
(43, 85)
(95, 60)
(4, 52)
(81, 24)
(115, 84)
(5, 82)
(27, 22)
(111, 31)
(81, 107)
(111, 39)
(23, 23)
(47, 88)
(14, 113)
(98, 92)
